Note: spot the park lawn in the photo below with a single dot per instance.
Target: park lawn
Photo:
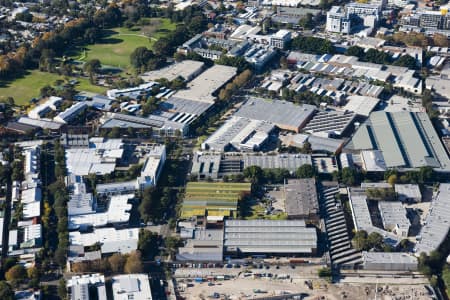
(115, 48)
(25, 88)
(85, 85)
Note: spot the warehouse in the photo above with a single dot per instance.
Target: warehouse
(206, 245)
(52, 104)
(361, 105)
(283, 114)
(290, 162)
(436, 227)
(71, 113)
(301, 199)
(186, 69)
(121, 241)
(118, 212)
(408, 139)
(389, 261)
(276, 237)
(362, 216)
(206, 165)
(318, 143)
(214, 165)
(207, 83)
(239, 134)
(131, 286)
(80, 287)
(100, 158)
(393, 215)
(41, 123)
(160, 125)
(330, 123)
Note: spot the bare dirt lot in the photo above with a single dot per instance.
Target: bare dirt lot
(254, 288)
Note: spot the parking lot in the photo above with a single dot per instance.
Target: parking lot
(241, 272)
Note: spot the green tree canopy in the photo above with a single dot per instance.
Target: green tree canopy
(305, 171)
(6, 292)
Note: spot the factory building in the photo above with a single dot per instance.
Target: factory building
(389, 261)
(283, 237)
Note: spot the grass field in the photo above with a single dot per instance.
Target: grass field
(25, 88)
(118, 43)
(217, 199)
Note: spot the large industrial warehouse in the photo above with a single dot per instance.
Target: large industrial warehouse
(285, 115)
(269, 237)
(406, 140)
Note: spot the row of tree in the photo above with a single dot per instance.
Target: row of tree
(237, 83)
(373, 241)
(313, 45)
(257, 175)
(380, 57)
(54, 218)
(305, 97)
(418, 39)
(115, 264)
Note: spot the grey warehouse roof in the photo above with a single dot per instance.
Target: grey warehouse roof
(437, 224)
(301, 197)
(407, 140)
(280, 113)
(269, 236)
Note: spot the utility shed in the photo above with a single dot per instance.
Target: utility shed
(301, 199)
(389, 261)
(269, 237)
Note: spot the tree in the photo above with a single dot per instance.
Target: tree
(355, 51)
(140, 57)
(375, 240)
(254, 173)
(406, 61)
(314, 45)
(238, 62)
(149, 207)
(33, 273)
(307, 21)
(350, 176)
(133, 263)
(324, 272)
(62, 290)
(172, 243)
(305, 171)
(92, 67)
(117, 262)
(446, 278)
(306, 148)
(60, 255)
(9, 263)
(114, 133)
(16, 273)
(440, 40)
(392, 180)
(359, 241)
(6, 292)
(148, 244)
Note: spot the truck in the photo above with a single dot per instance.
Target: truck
(297, 261)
